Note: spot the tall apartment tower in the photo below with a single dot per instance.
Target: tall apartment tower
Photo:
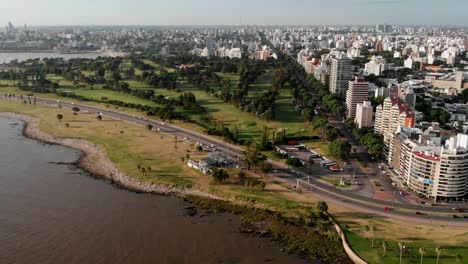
(364, 114)
(358, 92)
(340, 74)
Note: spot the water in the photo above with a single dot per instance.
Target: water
(57, 214)
(22, 56)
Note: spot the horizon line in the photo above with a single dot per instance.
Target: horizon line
(235, 25)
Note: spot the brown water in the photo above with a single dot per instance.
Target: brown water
(57, 214)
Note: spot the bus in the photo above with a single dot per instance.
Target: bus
(292, 149)
(327, 163)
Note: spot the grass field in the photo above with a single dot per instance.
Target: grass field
(98, 94)
(261, 85)
(452, 240)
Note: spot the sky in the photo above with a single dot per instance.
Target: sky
(223, 12)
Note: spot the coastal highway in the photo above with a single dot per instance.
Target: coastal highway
(330, 194)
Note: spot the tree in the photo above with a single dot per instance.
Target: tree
(322, 206)
(149, 127)
(401, 246)
(253, 158)
(339, 148)
(372, 233)
(438, 251)
(266, 167)
(384, 246)
(308, 115)
(295, 162)
(75, 109)
(59, 117)
(422, 252)
(99, 117)
(220, 175)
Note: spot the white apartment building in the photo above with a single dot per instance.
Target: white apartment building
(430, 167)
(390, 116)
(375, 66)
(364, 114)
(340, 74)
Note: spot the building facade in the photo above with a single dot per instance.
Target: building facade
(364, 114)
(358, 92)
(430, 166)
(340, 74)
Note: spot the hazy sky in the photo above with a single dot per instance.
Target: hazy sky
(223, 12)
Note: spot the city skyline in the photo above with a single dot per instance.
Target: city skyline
(274, 12)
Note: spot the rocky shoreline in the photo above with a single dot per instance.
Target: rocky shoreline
(94, 160)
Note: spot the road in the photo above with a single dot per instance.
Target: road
(317, 188)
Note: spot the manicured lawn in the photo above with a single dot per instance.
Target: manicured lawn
(261, 85)
(157, 66)
(362, 246)
(98, 94)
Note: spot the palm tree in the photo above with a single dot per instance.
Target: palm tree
(401, 246)
(371, 231)
(384, 246)
(438, 251)
(422, 252)
(322, 206)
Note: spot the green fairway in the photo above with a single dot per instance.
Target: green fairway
(99, 94)
(261, 85)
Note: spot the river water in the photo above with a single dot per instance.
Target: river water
(6, 57)
(53, 213)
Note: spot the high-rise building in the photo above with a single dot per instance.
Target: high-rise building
(340, 74)
(390, 116)
(430, 166)
(358, 92)
(364, 114)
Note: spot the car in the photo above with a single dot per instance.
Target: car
(455, 216)
(386, 208)
(185, 138)
(460, 210)
(419, 213)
